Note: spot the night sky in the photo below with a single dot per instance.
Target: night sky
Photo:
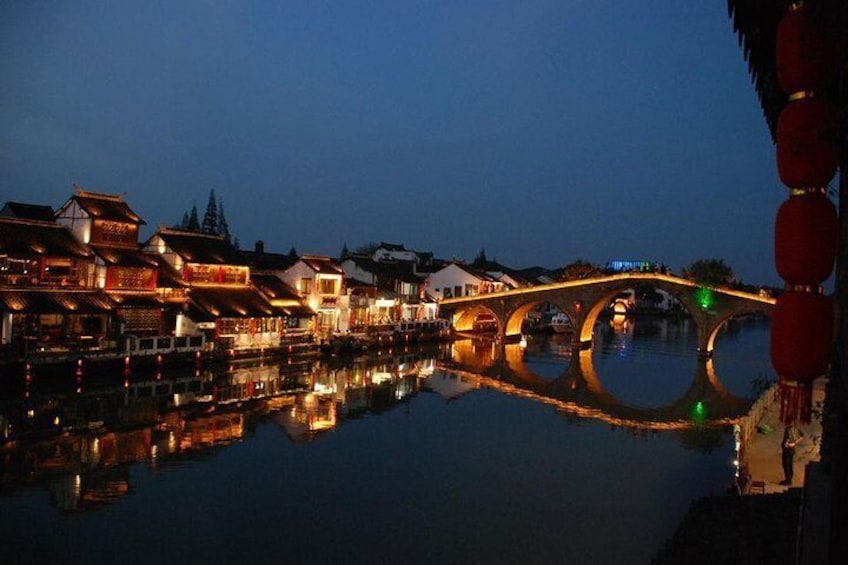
(544, 131)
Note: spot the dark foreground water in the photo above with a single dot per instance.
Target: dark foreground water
(465, 454)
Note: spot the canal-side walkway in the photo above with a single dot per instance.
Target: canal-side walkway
(763, 451)
(761, 528)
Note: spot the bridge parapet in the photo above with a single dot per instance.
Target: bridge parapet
(583, 301)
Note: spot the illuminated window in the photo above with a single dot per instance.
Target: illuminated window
(305, 286)
(327, 286)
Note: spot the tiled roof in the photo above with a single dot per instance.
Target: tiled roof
(136, 300)
(55, 302)
(322, 264)
(197, 247)
(397, 270)
(391, 246)
(28, 211)
(106, 207)
(268, 261)
(33, 238)
(274, 288)
(125, 257)
(169, 277)
(221, 302)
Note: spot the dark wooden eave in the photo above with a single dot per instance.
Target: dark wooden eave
(755, 22)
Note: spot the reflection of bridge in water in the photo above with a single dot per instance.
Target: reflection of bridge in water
(583, 301)
(578, 390)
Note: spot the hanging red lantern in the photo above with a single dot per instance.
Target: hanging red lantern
(805, 237)
(801, 335)
(796, 401)
(807, 57)
(807, 143)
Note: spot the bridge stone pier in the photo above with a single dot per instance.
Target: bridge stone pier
(583, 301)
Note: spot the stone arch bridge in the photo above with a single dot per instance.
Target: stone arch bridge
(583, 301)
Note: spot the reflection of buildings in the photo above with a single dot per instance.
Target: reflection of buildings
(80, 444)
(449, 385)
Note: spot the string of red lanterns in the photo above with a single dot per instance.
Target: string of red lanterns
(806, 228)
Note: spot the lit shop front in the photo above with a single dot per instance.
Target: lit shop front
(238, 318)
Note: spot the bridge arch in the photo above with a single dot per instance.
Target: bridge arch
(515, 317)
(712, 332)
(583, 300)
(600, 303)
(464, 318)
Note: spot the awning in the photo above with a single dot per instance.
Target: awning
(55, 302)
(275, 289)
(299, 312)
(123, 257)
(140, 301)
(207, 304)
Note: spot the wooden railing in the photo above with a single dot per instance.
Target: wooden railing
(156, 345)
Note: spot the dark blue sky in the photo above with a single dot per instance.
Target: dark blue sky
(544, 131)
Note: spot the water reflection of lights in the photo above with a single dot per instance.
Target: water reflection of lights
(381, 377)
(321, 388)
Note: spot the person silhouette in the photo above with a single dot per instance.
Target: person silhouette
(791, 437)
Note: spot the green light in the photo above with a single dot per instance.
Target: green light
(699, 412)
(705, 298)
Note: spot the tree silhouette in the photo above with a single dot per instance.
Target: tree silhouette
(480, 260)
(712, 272)
(210, 218)
(223, 226)
(193, 222)
(579, 269)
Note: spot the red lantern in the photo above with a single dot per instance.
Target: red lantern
(805, 237)
(796, 401)
(807, 58)
(801, 335)
(807, 143)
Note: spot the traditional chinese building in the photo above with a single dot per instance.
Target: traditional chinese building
(318, 281)
(400, 294)
(457, 280)
(47, 295)
(221, 300)
(110, 228)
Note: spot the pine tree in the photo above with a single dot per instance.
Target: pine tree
(193, 223)
(223, 226)
(210, 218)
(345, 251)
(293, 253)
(236, 243)
(184, 222)
(480, 260)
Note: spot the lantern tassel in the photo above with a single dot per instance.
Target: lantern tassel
(796, 401)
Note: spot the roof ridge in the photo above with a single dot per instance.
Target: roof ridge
(99, 195)
(42, 223)
(182, 231)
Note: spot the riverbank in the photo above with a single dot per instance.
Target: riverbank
(763, 452)
(763, 525)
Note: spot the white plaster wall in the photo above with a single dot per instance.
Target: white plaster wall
(450, 276)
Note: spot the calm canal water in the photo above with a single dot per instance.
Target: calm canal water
(462, 454)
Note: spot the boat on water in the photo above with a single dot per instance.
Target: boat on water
(561, 323)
